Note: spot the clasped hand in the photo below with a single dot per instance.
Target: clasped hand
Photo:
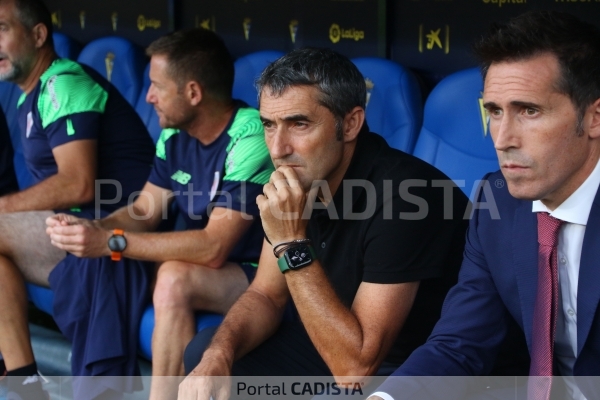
(282, 207)
(211, 379)
(78, 236)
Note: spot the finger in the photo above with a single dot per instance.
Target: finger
(71, 248)
(278, 180)
(269, 191)
(261, 201)
(53, 220)
(290, 176)
(64, 240)
(68, 230)
(183, 390)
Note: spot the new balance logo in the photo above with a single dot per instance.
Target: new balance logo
(181, 177)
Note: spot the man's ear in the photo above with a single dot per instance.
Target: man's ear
(353, 122)
(40, 35)
(193, 92)
(594, 110)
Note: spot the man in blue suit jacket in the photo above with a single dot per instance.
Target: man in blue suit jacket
(542, 95)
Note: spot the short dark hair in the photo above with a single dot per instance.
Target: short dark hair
(575, 44)
(340, 84)
(33, 12)
(199, 55)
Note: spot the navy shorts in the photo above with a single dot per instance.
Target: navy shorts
(249, 269)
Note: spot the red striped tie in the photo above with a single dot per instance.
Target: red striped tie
(546, 309)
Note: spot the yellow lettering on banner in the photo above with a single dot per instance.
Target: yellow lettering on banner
(56, 19)
(143, 23)
(336, 33)
(293, 29)
(247, 24)
(500, 3)
(114, 18)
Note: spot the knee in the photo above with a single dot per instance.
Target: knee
(173, 288)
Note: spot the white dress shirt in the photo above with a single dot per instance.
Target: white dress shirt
(575, 211)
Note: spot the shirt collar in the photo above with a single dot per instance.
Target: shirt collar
(576, 208)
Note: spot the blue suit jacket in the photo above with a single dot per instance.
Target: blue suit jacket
(498, 278)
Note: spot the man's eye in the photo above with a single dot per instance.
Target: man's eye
(530, 111)
(493, 112)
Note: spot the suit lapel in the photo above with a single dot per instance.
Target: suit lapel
(525, 258)
(588, 289)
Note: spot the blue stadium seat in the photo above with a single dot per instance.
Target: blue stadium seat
(118, 60)
(41, 297)
(146, 111)
(394, 103)
(65, 46)
(455, 136)
(203, 320)
(247, 70)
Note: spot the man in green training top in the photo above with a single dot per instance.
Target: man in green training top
(212, 161)
(75, 128)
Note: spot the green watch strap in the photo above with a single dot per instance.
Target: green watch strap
(282, 262)
(283, 265)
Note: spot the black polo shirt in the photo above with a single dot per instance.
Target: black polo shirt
(388, 223)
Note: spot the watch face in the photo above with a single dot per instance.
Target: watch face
(298, 257)
(117, 243)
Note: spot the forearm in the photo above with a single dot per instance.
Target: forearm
(124, 219)
(55, 192)
(334, 330)
(193, 246)
(252, 320)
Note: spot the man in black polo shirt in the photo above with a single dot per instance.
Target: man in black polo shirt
(367, 269)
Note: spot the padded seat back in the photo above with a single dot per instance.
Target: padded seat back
(118, 60)
(146, 111)
(247, 69)
(455, 136)
(65, 46)
(394, 104)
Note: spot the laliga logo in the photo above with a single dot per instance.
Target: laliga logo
(335, 33)
(109, 61)
(114, 19)
(143, 23)
(293, 29)
(247, 25)
(82, 19)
